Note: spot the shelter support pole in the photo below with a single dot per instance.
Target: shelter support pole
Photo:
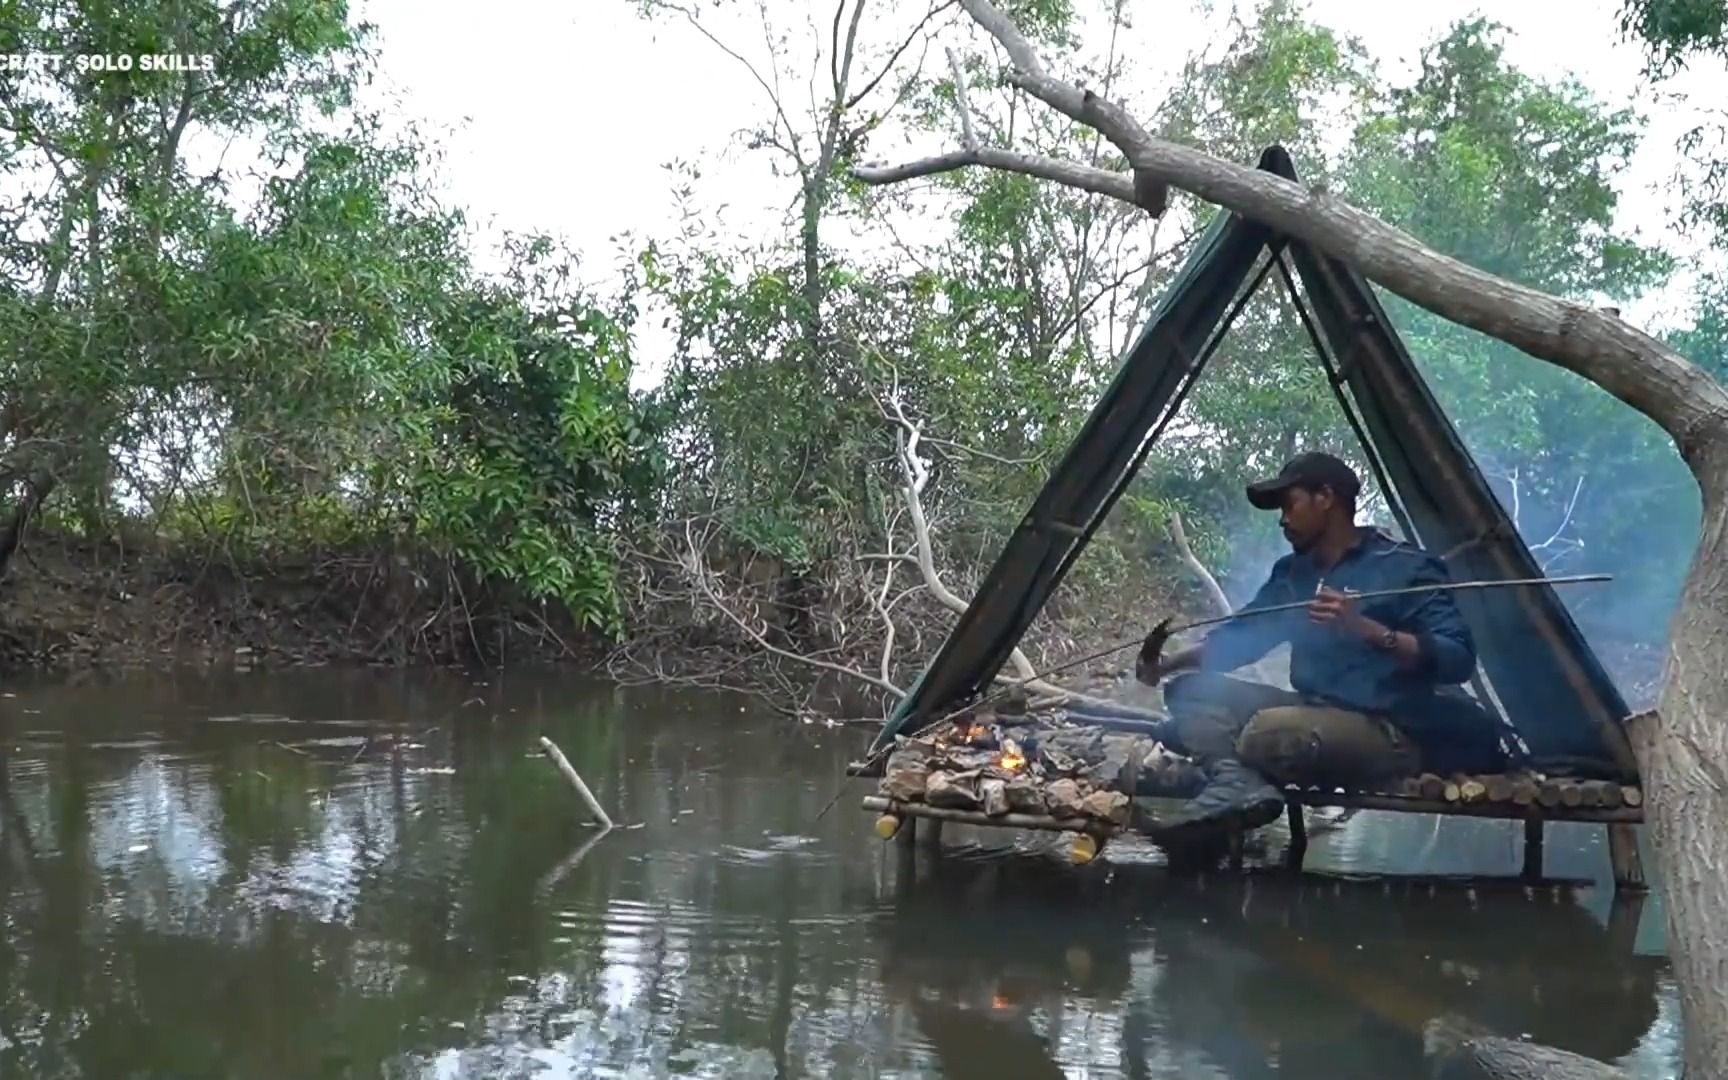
(1623, 856)
(1533, 836)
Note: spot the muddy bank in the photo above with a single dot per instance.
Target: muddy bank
(66, 603)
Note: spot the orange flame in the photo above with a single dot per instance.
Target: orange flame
(1011, 758)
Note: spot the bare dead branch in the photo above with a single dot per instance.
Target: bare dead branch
(968, 136)
(894, 57)
(916, 475)
(1070, 173)
(1214, 592)
(699, 573)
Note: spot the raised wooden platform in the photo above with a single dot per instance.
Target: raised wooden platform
(1528, 798)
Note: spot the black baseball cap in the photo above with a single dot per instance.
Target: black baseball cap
(1309, 471)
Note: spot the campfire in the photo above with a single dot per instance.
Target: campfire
(1033, 765)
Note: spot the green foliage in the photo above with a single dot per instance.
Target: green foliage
(316, 365)
(1673, 30)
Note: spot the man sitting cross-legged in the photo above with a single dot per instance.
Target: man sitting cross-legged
(1374, 681)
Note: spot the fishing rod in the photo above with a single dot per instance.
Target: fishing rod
(1437, 587)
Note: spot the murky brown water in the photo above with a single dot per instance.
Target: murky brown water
(365, 874)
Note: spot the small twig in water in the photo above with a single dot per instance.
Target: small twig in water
(571, 775)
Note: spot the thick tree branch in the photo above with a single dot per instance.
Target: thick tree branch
(1633, 366)
(1071, 173)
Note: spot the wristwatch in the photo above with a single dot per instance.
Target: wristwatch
(1389, 640)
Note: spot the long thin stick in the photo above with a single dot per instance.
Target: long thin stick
(569, 772)
(1445, 586)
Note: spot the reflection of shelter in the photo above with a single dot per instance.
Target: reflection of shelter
(1537, 672)
(1242, 971)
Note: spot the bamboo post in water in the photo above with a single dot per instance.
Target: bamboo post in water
(569, 772)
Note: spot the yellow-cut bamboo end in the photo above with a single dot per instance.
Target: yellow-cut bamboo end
(1085, 849)
(887, 825)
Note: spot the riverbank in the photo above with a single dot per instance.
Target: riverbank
(67, 603)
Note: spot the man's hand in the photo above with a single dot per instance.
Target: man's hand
(1333, 608)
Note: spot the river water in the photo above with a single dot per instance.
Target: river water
(328, 873)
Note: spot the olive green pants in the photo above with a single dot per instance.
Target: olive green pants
(1286, 739)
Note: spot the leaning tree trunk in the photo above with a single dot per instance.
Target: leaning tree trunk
(1682, 748)
(1682, 745)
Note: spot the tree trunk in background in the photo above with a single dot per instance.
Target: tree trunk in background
(35, 491)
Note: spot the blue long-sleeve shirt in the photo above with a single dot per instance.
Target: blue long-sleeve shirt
(1331, 666)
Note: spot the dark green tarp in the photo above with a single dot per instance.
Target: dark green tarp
(1543, 676)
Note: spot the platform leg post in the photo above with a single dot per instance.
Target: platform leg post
(1625, 912)
(1533, 835)
(933, 835)
(1623, 856)
(1298, 849)
(908, 833)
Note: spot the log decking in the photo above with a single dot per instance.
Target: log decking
(1531, 799)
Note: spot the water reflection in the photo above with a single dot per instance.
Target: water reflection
(1258, 977)
(376, 874)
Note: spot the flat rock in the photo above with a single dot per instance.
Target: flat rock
(1111, 806)
(956, 791)
(1024, 796)
(1065, 798)
(906, 783)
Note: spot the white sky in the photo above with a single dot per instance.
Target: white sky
(562, 115)
(559, 117)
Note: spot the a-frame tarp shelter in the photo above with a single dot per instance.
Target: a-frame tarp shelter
(1550, 687)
